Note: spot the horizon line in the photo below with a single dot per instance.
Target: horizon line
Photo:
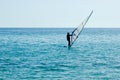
(60, 27)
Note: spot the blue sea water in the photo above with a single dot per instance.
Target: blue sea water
(41, 54)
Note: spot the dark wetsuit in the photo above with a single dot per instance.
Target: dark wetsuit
(68, 38)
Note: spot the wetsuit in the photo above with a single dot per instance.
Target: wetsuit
(68, 38)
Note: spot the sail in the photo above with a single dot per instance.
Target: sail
(78, 30)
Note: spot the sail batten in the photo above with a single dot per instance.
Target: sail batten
(78, 30)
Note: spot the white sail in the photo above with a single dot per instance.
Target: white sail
(78, 30)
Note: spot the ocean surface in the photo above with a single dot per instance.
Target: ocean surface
(42, 54)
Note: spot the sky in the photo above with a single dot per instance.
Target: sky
(59, 13)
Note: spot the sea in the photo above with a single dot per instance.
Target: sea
(42, 54)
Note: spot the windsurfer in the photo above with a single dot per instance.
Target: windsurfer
(68, 38)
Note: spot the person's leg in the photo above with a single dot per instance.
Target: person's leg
(68, 43)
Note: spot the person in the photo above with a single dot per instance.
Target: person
(68, 39)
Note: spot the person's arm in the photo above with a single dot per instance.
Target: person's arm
(70, 34)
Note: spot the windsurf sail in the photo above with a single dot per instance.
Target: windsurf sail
(78, 30)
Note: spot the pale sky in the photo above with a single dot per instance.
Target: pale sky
(59, 13)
